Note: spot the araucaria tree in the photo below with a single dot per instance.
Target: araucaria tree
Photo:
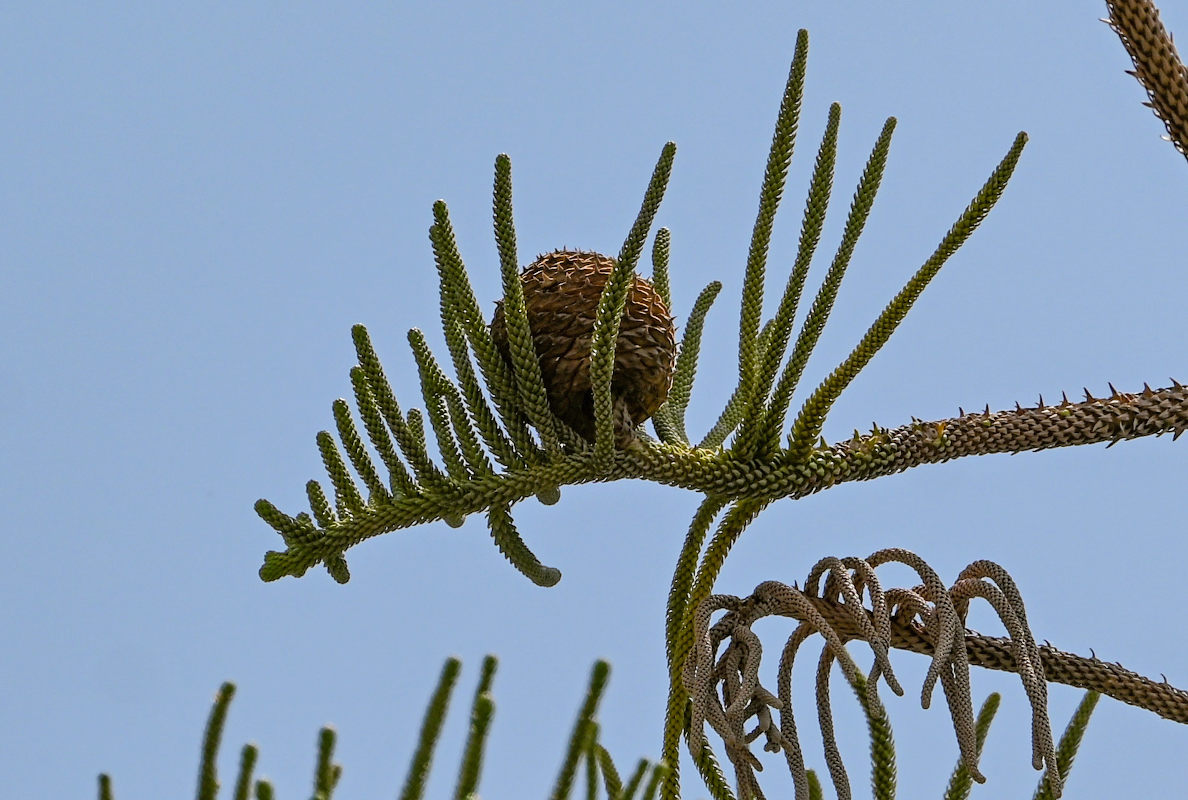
(559, 388)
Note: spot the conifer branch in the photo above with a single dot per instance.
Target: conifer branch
(482, 709)
(882, 741)
(525, 362)
(783, 141)
(811, 419)
(418, 770)
(661, 249)
(605, 336)
(581, 730)
(500, 439)
(590, 756)
(507, 539)
(456, 291)
(961, 782)
(818, 313)
(662, 420)
(883, 451)
(1070, 742)
(208, 779)
(247, 764)
(686, 366)
(449, 445)
(635, 781)
(494, 438)
(730, 418)
(611, 779)
(659, 775)
(377, 432)
(1157, 65)
(722, 681)
(326, 772)
(771, 418)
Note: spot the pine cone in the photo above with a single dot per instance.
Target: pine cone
(561, 292)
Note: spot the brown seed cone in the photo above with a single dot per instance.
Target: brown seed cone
(561, 292)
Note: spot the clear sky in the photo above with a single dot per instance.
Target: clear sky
(199, 200)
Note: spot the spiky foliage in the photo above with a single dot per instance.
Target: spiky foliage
(882, 742)
(584, 753)
(583, 747)
(1070, 742)
(498, 443)
(208, 781)
(961, 782)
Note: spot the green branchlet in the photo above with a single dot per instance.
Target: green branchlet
(882, 742)
(730, 418)
(811, 418)
(473, 460)
(779, 158)
(377, 432)
(457, 293)
(581, 730)
(961, 781)
(319, 505)
(525, 364)
(1070, 742)
(482, 710)
(418, 770)
(635, 781)
(661, 250)
(779, 327)
(610, 774)
(659, 775)
(455, 437)
(247, 765)
(208, 779)
(409, 435)
(326, 772)
(507, 539)
(347, 500)
(685, 372)
(590, 758)
(612, 302)
(584, 744)
(711, 774)
(750, 339)
(493, 436)
(815, 791)
(348, 434)
(818, 313)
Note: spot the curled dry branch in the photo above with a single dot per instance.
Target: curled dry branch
(722, 673)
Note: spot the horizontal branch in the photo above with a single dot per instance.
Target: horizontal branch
(997, 652)
(883, 451)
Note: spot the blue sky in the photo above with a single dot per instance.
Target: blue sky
(198, 203)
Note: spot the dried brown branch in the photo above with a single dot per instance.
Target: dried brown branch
(1157, 65)
(928, 618)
